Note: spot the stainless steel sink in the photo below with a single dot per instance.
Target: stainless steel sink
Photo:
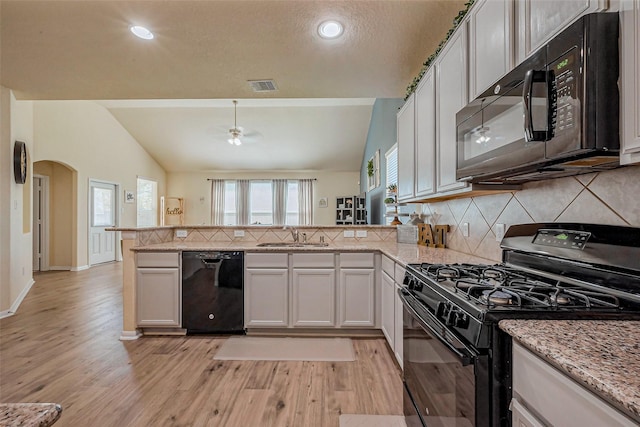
(291, 244)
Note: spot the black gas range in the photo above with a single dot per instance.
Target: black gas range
(457, 361)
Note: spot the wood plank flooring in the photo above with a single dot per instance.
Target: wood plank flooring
(62, 346)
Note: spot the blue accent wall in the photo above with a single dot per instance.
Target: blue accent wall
(381, 136)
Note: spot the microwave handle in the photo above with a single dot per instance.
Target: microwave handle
(531, 77)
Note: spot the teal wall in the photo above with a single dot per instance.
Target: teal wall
(381, 136)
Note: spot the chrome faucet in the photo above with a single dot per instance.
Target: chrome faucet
(294, 232)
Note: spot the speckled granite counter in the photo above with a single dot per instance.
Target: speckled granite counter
(604, 356)
(403, 253)
(29, 414)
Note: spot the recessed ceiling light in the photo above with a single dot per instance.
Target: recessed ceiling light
(141, 32)
(330, 29)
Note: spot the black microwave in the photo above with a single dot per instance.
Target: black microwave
(556, 114)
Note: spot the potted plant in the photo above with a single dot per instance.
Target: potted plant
(393, 188)
(370, 167)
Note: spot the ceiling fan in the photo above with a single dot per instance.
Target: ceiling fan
(237, 134)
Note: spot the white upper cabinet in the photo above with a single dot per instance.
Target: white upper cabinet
(490, 44)
(425, 138)
(630, 69)
(451, 96)
(539, 20)
(406, 152)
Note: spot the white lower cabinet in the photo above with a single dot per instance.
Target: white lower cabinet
(158, 297)
(356, 300)
(314, 297)
(545, 396)
(388, 308)
(158, 289)
(266, 290)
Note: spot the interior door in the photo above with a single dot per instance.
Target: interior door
(102, 215)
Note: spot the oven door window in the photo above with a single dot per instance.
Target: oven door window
(441, 385)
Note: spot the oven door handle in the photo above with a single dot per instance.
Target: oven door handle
(465, 359)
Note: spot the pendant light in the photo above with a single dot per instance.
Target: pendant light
(235, 132)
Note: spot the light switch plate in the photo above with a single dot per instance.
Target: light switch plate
(348, 233)
(361, 233)
(181, 233)
(465, 229)
(238, 233)
(499, 232)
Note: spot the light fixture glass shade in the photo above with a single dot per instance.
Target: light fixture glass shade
(141, 32)
(330, 29)
(234, 141)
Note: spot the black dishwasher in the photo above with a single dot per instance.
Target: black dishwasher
(212, 292)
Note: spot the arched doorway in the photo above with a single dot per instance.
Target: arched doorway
(54, 216)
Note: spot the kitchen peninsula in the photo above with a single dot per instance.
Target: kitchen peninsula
(373, 240)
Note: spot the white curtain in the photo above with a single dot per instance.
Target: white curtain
(279, 187)
(217, 201)
(242, 202)
(305, 201)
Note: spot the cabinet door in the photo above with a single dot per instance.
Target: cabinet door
(314, 297)
(158, 297)
(357, 297)
(490, 44)
(451, 96)
(406, 152)
(521, 417)
(388, 306)
(539, 20)
(630, 69)
(266, 297)
(425, 135)
(398, 333)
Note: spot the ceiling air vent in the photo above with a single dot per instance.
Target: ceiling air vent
(262, 85)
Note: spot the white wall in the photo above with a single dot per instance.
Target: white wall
(86, 137)
(196, 191)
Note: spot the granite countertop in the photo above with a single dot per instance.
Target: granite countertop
(29, 414)
(604, 356)
(403, 253)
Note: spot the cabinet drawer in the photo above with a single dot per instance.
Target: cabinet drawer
(313, 260)
(388, 265)
(266, 260)
(557, 398)
(357, 260)
(158, 259)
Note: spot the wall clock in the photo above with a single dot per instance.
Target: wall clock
(20, 162)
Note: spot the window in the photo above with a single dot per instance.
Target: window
(147, 203)
(261, 203)
(392, 171)
(292, 203)
(230, 203)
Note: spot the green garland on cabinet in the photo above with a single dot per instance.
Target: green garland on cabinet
(426, 64)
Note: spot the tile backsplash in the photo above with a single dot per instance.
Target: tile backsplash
(611, 197)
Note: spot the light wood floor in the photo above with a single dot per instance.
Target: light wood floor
(62, 346)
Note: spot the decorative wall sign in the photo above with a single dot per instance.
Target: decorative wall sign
(20, 162)
(173, 210)
(129, 196)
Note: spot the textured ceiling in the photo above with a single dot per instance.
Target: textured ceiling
(208, 49)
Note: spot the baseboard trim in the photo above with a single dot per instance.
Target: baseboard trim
(5, 313)
(59, 268)
(80, 268)
(130, 335)
(319, 332)
(16, 304)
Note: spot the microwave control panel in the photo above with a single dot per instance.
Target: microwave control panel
(565, 106)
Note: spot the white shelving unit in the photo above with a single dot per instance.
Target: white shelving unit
(392, 208)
